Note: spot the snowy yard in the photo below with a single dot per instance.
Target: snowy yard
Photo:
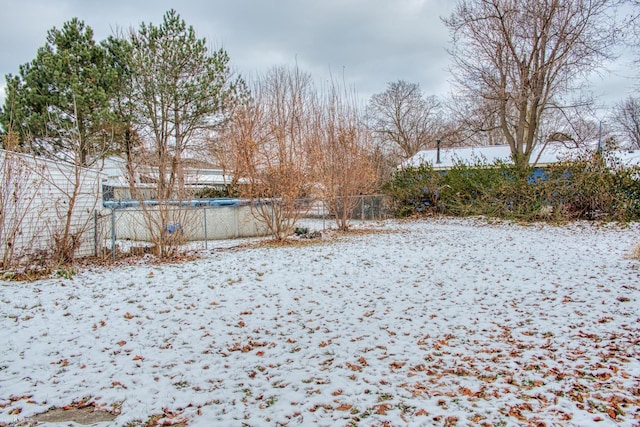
(440, 322)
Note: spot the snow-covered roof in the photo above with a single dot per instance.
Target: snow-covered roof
(115, 169)
(541, 156)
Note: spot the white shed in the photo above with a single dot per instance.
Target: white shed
(35, 195)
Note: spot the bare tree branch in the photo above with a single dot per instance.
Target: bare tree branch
(523, 56)
(404, 120)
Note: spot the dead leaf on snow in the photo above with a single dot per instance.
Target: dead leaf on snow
(381, 409)
(396, 365)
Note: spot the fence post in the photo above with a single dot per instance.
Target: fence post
(362, 208)
(95, 232)
(237, 217)
(204, 214)
(113, 233)
(324, 227)
(273, 218)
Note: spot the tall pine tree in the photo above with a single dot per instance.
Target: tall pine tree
(59, 102)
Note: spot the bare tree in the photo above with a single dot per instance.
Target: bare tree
(270, 136)
(630, 29)
(220, 146)
(574, 126)
(474, 122)
(341, 154)
(627, 120)
(522, 56)
(403, 119)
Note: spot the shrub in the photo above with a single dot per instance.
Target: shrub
(214, 193)
(497, 190)
(626, 188)
(593, 188)
(66, 272)
(414, 189)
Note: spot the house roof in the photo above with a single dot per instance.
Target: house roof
(115, 169)
(541, 156)
(58, 163)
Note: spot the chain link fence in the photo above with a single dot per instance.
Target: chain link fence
(124, 226)
(365, 208)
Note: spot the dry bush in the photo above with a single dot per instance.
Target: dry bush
(269, 137)
(341, 153)
(45, 211)
(21, 207)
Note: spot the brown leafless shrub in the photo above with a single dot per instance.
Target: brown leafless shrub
(67, 234)
(18, 191)
(341, 153)
(270, 137)
(164, 219)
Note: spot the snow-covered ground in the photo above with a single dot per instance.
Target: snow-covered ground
(437, 322)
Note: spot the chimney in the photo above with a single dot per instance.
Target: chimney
(438, 151)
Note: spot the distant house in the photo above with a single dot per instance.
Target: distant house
(196, 177)
(542, 156)
(34, 203)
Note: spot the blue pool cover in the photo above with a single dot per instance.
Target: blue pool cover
(195, 203)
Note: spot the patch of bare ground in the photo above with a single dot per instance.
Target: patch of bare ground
(326, 236)
(90, 415)
(85, 412)
(84, 416)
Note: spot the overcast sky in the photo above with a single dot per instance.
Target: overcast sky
(369, 42)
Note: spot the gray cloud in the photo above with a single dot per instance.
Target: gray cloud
(369, 42)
